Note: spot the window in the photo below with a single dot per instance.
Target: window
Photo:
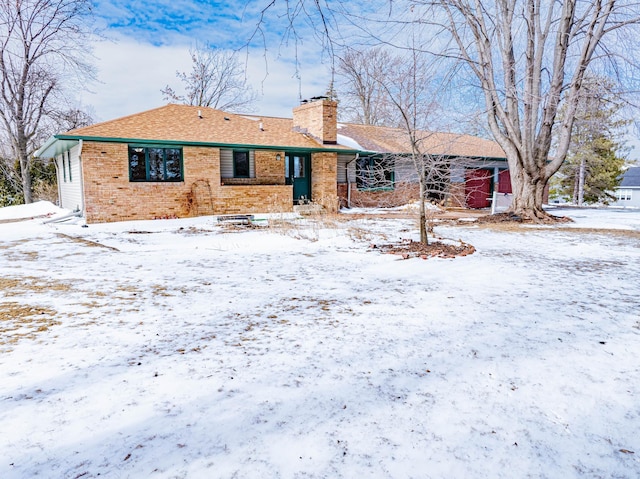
(623, 195)
(297, 163)
(375, 172)
(155, 163)
(237, 164)
(241, 164)
(64, 167)
(68, 165)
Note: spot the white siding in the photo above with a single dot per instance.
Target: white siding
(343, 160)
(630, 198)
(226, 164)
(70, 185)
(405, 170)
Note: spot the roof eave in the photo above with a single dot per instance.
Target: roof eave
(148, 141)
(56, 145)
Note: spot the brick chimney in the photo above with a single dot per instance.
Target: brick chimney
(319, 118)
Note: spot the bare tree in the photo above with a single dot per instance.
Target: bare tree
(530, 59)
(41, 171)
(217, 80)
(364, 100)
(408, 87)
(42, 42)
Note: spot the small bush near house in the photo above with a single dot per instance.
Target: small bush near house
(43, 177)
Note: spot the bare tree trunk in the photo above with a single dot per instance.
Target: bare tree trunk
(574, 196)
(25, 175)
(582, 171)
(528, 194)
(423, 213)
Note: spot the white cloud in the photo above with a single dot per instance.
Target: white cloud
(130, 76)
(132, 73)
(634, 144)
(277, 83)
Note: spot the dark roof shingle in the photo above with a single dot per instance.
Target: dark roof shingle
(631, 177)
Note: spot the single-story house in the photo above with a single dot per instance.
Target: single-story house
(180, 160)
(628, 191)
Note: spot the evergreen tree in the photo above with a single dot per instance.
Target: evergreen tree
(595, 159)
(43, 182)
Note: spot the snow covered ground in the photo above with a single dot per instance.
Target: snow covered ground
(181, 349)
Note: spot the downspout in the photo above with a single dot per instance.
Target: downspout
(82, 198)
(55, 163)
(63, 218)
(349, 182)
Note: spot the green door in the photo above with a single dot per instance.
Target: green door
(297, 172)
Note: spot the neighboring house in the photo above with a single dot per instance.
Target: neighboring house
(628, 192)
(179, 160)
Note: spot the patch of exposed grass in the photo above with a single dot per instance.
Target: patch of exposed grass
(528, 227)
(161, 290)
(19, 321)
(86, 242)
(30, 284)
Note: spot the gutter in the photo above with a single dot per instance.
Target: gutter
(77, 213)
(159, 142)
(50, 142)
(55, 164)
(81, 175)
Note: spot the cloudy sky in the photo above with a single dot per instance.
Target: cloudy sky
(147, 42)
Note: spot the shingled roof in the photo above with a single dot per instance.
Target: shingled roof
(395, 140)
(207, 126)
(631, 177)
(195, 124)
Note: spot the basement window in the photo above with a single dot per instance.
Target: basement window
(154, 163)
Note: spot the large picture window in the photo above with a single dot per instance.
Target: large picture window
(150, 163)
(375, 172)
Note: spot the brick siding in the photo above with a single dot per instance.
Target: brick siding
(324, 180)
(318, 118)
(110, 196)
(402, 194)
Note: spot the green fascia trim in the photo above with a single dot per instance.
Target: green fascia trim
(139, 141)
(382, 188)
(55, 146)
(449, 157)
(61, 143)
